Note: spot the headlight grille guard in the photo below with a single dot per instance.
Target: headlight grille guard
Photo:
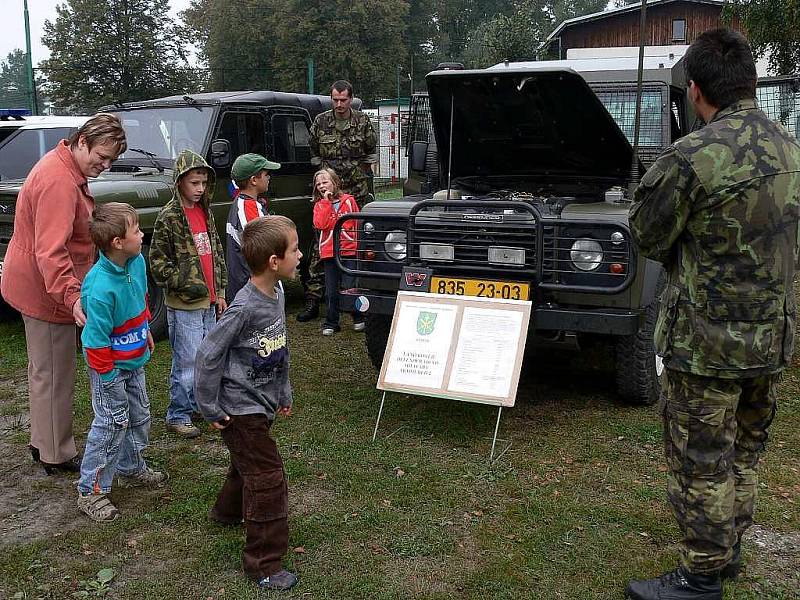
(472, 226)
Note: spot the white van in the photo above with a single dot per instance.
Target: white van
(25, 146)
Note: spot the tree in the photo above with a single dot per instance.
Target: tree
(106, 51)
(358, 41)
(773, 28)
(236, 41)
(519, 34)
(14, 89)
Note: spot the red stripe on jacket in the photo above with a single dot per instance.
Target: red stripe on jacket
(324, 220)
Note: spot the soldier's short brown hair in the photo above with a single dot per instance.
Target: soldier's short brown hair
(721, 64)
(263, 238)
(103, 128)
(109, 221)
(342, 85)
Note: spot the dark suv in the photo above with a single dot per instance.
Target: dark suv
(219, 126)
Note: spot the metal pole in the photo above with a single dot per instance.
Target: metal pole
(378, 421)
(29, 62)
(637, 119)
(496, 428)
(310, 75)
(399, 129)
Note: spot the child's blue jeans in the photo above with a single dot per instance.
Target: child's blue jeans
(187, 328)
(119, 433)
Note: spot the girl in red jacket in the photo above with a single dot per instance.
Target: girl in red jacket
(330, 203)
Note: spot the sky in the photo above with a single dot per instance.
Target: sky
(39, 11)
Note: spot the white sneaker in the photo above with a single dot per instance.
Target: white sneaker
(326, 331)
(359, 326)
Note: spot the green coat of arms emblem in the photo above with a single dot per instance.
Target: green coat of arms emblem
(425, 322)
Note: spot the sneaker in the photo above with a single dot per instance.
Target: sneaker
(311, 311)
(144, 478)
(676, 585)
(97, 507)
(282, 580)
(328, 330)
(359, 326)
(187, 430)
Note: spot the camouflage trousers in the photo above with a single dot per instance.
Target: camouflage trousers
(313, 277)
(714, 432)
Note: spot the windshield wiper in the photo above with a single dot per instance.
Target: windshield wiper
(150, 156)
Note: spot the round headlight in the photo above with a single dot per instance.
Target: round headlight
(395, 244)
(586, 254)
(369, 228)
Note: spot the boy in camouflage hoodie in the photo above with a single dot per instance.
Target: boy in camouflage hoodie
(186, 261)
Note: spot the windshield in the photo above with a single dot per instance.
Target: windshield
(622, 106)
(165, 131)
(20, 152)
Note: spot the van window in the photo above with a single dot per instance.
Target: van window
(290, 139)
(20, 152)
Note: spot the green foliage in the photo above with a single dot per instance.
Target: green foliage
(114, 51)
(97, 587)
(14, 92)
(519, 34)
(773, 28)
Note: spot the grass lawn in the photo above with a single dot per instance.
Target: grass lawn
(574, 509)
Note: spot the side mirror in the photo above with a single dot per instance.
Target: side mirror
(220, 154)
(416, 156)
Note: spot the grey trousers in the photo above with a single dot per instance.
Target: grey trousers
(51, 385)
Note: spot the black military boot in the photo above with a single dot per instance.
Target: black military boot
(734, 566)
(311, 311)
(676, 585)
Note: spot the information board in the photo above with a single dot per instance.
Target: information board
(458, 347)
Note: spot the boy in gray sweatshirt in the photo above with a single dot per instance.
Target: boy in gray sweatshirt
(241, 383)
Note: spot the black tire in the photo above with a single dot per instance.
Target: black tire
(158, 308)
(376, 335)
(635, 357)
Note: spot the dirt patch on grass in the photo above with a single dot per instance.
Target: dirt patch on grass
(33, 505)
(309, 499)
(772, 561)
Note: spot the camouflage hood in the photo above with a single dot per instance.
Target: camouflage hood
(188, 160)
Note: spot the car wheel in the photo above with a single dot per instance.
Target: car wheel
(638, 369)
(158, 307)
(376, 335)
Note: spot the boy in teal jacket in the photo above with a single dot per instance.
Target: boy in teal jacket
(116, 344)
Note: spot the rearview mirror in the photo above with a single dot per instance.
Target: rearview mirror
(416, 156)
(220, 154)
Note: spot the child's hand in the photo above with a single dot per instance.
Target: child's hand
(151, 345)
(328, 196)
(222, 306)
(221, 424)
(285, 411)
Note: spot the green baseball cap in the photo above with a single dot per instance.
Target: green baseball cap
(248, 165)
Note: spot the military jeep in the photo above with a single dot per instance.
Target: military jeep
(219, 126)
(535, 172)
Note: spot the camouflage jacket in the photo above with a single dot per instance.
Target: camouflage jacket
(174, 262)
(721, 209)
(346, 150)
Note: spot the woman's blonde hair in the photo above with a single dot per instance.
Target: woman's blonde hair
(335, 179)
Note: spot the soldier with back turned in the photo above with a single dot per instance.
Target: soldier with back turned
(720, 209)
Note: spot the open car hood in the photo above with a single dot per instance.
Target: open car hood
(545, 124)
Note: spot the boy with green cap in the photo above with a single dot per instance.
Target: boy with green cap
(250, 173)
(187, 262)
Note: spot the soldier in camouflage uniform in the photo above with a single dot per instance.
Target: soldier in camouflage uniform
(344, 140)
(720, 209)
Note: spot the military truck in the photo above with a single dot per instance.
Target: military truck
(532, 163)
(219, 126)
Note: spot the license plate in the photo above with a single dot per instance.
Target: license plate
(483, 288)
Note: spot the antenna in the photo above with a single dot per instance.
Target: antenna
(450, 146)
(635, 175)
